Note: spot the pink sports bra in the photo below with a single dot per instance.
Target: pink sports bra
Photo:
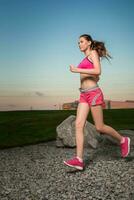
(86, 64)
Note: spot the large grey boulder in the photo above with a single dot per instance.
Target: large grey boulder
(66, 134)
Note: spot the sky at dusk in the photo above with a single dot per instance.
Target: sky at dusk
(39, 40)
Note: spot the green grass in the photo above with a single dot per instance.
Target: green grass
(19, 128)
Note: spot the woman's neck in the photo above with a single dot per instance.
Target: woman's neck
(87, 52)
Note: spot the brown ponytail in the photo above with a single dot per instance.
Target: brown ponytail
(98, 46)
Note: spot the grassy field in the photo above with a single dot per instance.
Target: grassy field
(19, 128)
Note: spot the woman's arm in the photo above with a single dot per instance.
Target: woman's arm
(96, 63)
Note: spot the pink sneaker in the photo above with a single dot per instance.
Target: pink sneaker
(125, 147)
(74, 162)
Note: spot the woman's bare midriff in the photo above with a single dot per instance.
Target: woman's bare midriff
(88, 81)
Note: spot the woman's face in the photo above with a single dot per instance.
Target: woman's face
(84, 44)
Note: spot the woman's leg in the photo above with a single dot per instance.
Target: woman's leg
(97, 114)
(81, 116)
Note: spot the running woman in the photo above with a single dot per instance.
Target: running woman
(91, 98)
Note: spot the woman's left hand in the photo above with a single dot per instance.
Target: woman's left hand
(73, 69)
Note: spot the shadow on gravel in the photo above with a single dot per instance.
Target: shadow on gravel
(74, 171)
(129, 159)
(71, 170)
(131, 196)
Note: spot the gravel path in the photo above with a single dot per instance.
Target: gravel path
(37, 172)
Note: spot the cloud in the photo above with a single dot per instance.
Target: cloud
(40, 94)
(11, 105)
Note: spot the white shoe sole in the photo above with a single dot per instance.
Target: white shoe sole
(76, 167)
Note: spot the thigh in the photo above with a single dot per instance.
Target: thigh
(82, 113)
(97, 114)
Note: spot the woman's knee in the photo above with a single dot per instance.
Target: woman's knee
(99, 128)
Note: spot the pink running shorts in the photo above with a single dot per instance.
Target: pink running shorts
(92, 97)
